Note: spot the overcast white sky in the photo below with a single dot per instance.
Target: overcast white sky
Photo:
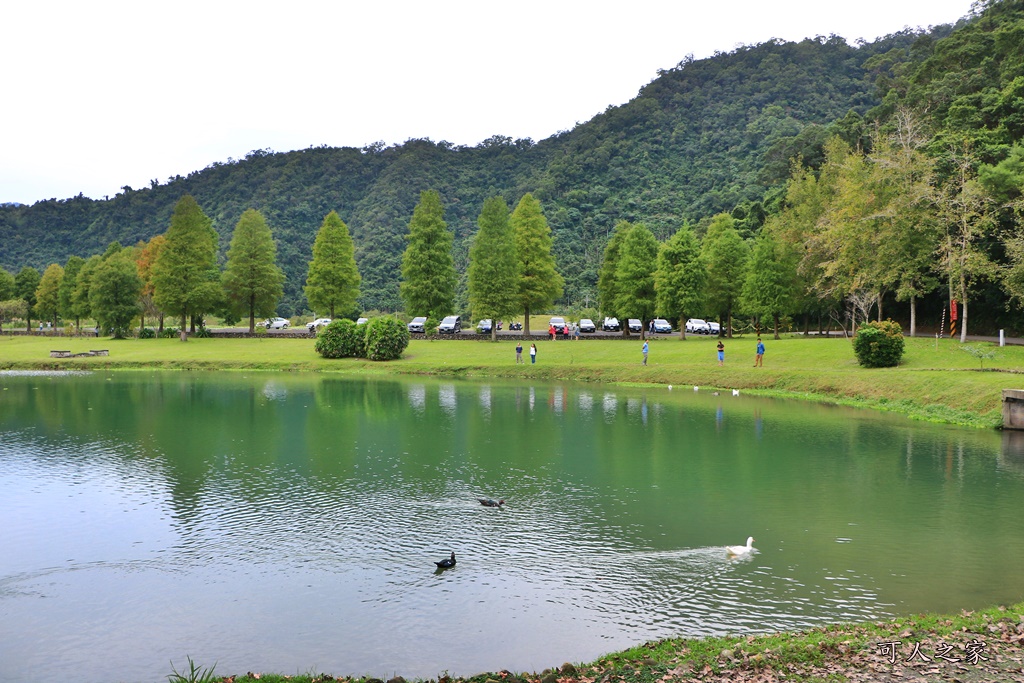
(98, 95)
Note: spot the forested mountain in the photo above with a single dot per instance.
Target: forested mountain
(707, 136)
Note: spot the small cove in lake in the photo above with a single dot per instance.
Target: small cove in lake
(283, 522)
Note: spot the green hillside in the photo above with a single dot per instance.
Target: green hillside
(707, 136)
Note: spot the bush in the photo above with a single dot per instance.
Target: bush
(169, 333)
(879, 344)
(202, 332)
(386, 338)
(341, 339)
(147, 333)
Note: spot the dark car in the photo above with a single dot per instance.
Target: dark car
(635, 325)
(452, 324)
(611, 325)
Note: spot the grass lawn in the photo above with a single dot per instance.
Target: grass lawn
(937, 380)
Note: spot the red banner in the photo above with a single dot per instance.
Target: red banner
(952, 310)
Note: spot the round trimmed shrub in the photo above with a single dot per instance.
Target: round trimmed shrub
(386, 338)
(341, 339)
(879, 344)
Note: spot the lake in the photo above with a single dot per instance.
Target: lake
(291, 523)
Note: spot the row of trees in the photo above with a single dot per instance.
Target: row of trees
(177, 274)
(511, 266)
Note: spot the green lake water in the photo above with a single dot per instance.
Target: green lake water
(290, 523)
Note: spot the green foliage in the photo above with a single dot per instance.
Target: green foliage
(606, 283)
(194, 674)
(114, 294)
(428, 272)
(7, 289)
(252, 280)
(981, 352)
(171, 333)
(26, 282)
(186, 281)
(680, 278)
(493, 266)
(539, 281)
(386, 338)
(770, 284)
(147, 333)
(879, 344)
(80, 298)
(342, 339)
(67, 287)
(48, 293)
(332, 283)
(634, 277)
(725, 255)
(12, 308)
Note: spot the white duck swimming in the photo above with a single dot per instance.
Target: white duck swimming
(741, 549)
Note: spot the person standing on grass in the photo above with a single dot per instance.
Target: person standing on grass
(721, 353)
(519, 352)
(759, 358)
(645, 352)
(533, 354)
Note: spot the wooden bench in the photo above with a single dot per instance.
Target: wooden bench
(68, 354)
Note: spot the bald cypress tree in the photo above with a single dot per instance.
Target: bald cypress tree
(332, 282)
(253, 283)
(428, 272)
(539, 281)
(493, 267)
(186, 280)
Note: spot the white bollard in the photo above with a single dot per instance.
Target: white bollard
(1002, 339)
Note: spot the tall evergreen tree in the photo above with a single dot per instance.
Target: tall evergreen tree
(186, 281)
(634, 277)
(493, 266)
(252, 281)
(26, 282)
(428, 272)
(48, 293)
(769, 288)
(6, 285)
(67, 288)
(606, 289)
(147, 257)
(539, 281)
(114, 293)
(681, 278)
(80, 298)
(332, 283)
(726, 256)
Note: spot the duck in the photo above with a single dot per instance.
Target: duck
(491, 503)
(739, 549)
(735, 392)
(446, 563)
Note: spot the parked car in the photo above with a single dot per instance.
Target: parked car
(451, 324)
(418, 325)
(635, 325)
(662, 326)
(714, 328)
(697, 326)
(317, 324)
(484, 326)
(587, 325)
(361, 321)
(558, 323)
(276, 324)
(611, 325)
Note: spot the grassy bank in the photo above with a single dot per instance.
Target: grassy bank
(971, 646)
(937, 381)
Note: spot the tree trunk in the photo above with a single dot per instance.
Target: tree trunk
(878, 301)
(775, 317)
(913, 316)
(963, 321)
(252, 321)
(682, 327)
(494, 330)
(526, 323)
